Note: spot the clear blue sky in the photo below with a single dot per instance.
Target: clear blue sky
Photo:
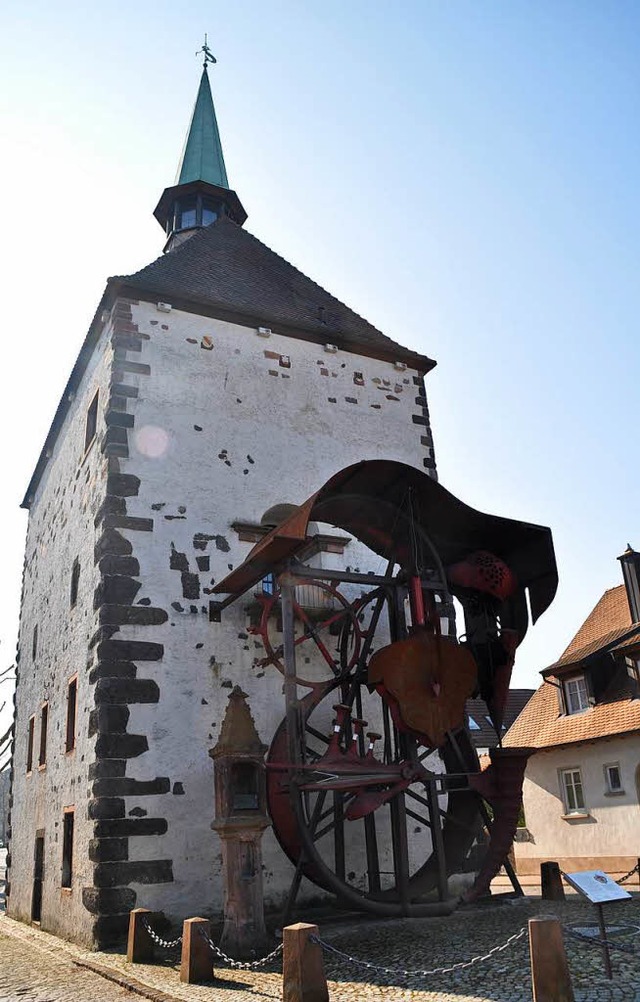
(464, 174)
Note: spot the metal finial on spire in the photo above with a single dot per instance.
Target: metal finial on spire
(208, 54)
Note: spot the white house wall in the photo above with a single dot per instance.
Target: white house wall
(607, 836)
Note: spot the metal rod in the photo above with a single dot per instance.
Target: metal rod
(400, 850)
(290, 687)
(605, 944)
(339, 836)
(438, 841)
(350, 577)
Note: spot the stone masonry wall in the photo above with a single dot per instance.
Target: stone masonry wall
(216, 424)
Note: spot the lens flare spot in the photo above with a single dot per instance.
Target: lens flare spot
(152, 441)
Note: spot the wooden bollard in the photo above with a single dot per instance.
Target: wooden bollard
(139, 942)
(303, 977)
(550, 978)
(196, 962)
(551, 885)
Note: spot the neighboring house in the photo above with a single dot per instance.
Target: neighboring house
(582, 785)
(483, 733)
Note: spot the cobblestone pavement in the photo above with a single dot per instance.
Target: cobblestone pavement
(423, 943)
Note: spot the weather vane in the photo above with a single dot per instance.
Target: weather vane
(208, 54)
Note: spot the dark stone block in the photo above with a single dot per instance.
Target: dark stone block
(110, 506)
(429, 463)
(201, 539)
(112, 669)
(108, 900)
(149, 871)
(123, 485)
(127, 787)
(190, 585)
(419, 419)
(222, 543)
(112, 542)
(113, 564)
(178, 561)
(110, 930)
(106, 807)
(126, 522)
(115, 436)
(127, 827)
(107, 769)
(102, 633)
(118, 419)
(116, 589)
(122, 343)
(121, 745)
(108, 720)
(108, 850)
(122, 390)
(126, 690)
(203, 563)
(129, 650)
(136, 615)
(125, 366)
(178, 789)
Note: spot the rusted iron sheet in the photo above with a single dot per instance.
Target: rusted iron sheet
(381, 503)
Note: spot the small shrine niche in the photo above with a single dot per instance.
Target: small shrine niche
(241, 818)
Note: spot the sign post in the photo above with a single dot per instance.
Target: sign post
(598, 888)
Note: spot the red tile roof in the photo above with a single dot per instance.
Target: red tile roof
(541, 724)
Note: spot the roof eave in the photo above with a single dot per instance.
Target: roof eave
(95, 329)
(205, 307)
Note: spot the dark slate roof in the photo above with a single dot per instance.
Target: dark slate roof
(483, 735)
(231, 273)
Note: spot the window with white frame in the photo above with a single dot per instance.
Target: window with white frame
(572, 791)
(576, 694)
(613, 777)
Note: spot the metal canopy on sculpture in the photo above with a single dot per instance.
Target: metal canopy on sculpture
(331, 792)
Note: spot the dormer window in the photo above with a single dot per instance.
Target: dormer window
(576, 694)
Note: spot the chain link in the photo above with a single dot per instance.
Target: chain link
(419, 973)
(596, 941)
(167, 944)
(624, 879)
(249, 965)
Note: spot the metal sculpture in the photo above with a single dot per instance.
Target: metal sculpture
(374, 787)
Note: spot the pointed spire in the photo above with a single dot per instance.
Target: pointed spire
(201, 193)
(202, 158)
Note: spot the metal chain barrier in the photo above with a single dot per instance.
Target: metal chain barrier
(249, 965)
(398, 971)
(596, 941)
(166, 944)
(626, 877)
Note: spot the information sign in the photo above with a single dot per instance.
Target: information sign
(596, 886)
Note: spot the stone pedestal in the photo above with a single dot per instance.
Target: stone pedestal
(244, 935)
(241, 818)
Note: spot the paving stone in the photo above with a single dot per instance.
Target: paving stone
(404, 944)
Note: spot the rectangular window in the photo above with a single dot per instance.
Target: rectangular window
(34, 643)
(67, 846)
(91, 425)
(72, 697)
(30, 739)
(75, 581)
(44, 719)
(576, 694)
(613, 778)
(572, 791)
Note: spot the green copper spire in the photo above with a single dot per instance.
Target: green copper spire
(202, 158)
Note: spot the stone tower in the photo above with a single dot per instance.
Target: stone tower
(214, 384)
